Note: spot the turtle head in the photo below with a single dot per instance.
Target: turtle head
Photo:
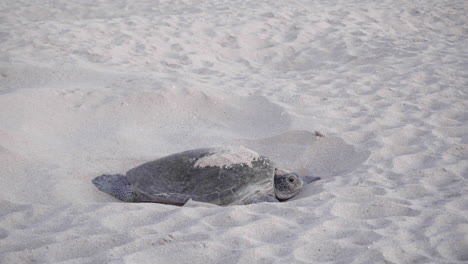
(287, 184)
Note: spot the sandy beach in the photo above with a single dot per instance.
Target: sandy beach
(371, 96)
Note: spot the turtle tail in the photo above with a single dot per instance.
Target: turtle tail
(116, 185)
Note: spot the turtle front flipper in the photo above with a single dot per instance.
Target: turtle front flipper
(310, 179)
(116, 185)
(262, 198)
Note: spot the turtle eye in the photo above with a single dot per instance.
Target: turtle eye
(291, 180)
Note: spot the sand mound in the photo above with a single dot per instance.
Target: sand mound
(96, 87)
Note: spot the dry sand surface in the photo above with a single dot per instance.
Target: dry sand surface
(94, 87)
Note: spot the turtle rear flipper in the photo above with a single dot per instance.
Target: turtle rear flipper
(116, 185)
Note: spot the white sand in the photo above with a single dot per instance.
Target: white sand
(102, 86)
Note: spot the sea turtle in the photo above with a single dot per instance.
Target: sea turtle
(222, 176)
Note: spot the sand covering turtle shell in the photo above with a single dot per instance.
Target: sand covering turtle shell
(226, 157)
